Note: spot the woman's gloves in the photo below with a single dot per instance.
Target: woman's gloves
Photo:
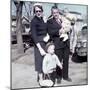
(42, 51)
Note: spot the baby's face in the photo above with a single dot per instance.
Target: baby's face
(51, 49)
(66, 26)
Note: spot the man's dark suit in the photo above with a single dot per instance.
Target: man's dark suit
(61, 47)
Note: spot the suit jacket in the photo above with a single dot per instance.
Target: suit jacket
(53, 30)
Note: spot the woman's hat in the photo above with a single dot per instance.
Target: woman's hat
(37, 4)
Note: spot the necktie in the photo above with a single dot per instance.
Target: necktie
(58, 21)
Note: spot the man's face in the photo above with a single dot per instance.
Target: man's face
(38, 12)
(55, 13)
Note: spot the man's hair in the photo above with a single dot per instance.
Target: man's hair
(54, 7)
(39, 6)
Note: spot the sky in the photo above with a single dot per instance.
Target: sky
(47, 8)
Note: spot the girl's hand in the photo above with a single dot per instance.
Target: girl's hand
(61, 67)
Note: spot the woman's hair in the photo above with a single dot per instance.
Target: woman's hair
(39, 6)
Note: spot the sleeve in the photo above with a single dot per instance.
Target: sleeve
(34, 32)
(48, 27)
(44, 66)
(73, 38)
(51, 28)
(58, 62)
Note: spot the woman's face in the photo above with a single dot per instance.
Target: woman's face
(55, 13)
(38, 12)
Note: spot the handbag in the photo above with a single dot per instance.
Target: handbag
(46, 82)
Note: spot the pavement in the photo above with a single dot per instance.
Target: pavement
(24, 75)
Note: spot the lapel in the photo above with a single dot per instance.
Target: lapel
(57, 24)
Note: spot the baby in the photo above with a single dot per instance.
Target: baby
(66, 27)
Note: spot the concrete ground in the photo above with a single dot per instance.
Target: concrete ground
(24, 75)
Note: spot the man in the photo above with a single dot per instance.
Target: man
(62, 50)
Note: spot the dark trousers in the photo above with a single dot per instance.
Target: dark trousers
(63, 55)
(51, 76)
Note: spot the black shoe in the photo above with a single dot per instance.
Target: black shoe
(68, 79)
(58, 81)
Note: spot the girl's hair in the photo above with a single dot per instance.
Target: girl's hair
(48, 44)
(39, 6)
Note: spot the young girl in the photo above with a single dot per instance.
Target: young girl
(50, 62)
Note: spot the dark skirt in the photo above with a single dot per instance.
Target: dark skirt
(39, 58)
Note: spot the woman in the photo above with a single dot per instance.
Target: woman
(61, 47)
(39, 32)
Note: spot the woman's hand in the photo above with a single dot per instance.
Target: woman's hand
(42, 52)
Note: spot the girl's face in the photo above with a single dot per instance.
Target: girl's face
(51, 49)
(38, 12)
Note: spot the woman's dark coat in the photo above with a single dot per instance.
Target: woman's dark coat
(38, 32)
